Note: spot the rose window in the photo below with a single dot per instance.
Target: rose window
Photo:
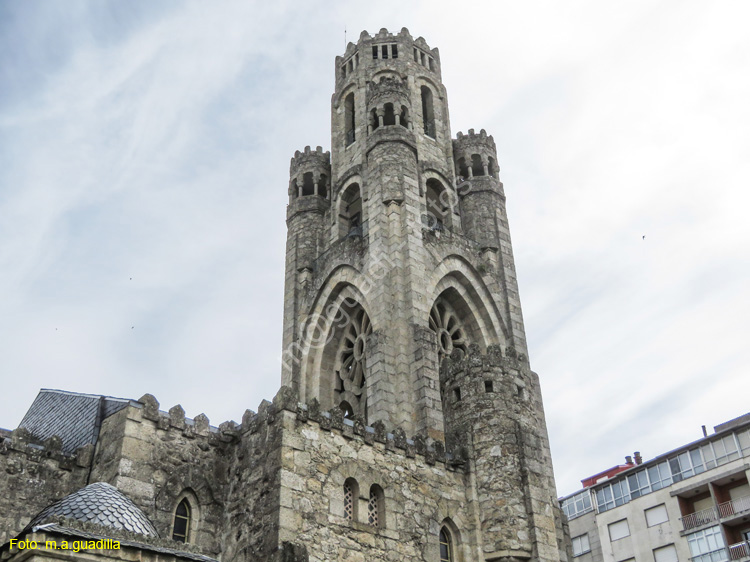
(448, 328)
(351, 358)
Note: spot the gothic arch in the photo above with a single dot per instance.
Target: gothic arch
(461, 286)
(334, 366)
(186, 517)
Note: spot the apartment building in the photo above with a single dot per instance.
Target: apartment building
(690, 504)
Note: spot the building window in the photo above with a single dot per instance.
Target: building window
(181, 527)
(656, 515)
(638, 484)
(581, 545)
(446, 545)
(428, 114)
(660, 476)
(349, 118)
(351, 494)
(707, 545)
(665, 554)
(619, 530)
(577, 505)
(375, 506)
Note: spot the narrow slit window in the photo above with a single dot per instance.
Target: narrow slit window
(375, 52)
(384, 51)
(394, 51)
(488, 386)
(457, 394)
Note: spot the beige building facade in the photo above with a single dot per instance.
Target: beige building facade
(690, 504)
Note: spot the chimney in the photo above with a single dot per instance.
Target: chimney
(628, 459)
(638, 458)
(705, 433)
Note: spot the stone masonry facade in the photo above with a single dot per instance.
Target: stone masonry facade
(409, 425)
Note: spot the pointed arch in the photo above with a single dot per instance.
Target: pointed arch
(456, 281)
(185, 517)
(334, 346)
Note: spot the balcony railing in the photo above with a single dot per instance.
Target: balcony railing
(699, 518)
(739, 551)
(734, 507)
(719, 555)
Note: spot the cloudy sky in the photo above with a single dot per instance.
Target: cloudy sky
(144, 153)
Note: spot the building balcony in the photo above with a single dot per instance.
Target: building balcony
(719, 555)
(730, 509)
(700, 518)
(739, 551)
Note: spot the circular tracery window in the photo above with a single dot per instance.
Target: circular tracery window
(351, 362)
(444, 321)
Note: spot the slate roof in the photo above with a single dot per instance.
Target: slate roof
(80, 534)
(69, 415)
(101, 504)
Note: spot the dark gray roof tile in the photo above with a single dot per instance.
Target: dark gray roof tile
(69, 415)
(98, 503)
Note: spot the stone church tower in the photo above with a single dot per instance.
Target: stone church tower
(399, 260)
(409, 425)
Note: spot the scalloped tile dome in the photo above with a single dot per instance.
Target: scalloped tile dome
(101, 504)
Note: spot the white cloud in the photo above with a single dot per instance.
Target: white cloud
(152, 141)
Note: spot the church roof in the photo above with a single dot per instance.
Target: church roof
(73, 417)
(100, 504)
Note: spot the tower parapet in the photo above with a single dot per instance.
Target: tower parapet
(310, 173)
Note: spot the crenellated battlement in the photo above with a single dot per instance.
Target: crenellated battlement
(310, 173)
(386, 50)
(475, 155)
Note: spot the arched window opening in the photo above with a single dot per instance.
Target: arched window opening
(492, 167)
(476, 165)
(350, 212)
(376, 507)
(374, 122)
(349, 118)
(446, 545)
(351, 495)
(347, 409)
(463, 169)
(390, 116)
(404, 117)
(447, 324)
(308, 185)
(181, 527)
(350, 366)
(428, 114)
(438, 205)
(322, 182)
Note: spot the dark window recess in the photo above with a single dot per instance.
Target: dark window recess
(457, 394)
(384, 51)
(488, 386)
(374, 52)
(394, 51)
(181, 522)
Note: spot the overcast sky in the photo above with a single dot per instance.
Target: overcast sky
(144, 159)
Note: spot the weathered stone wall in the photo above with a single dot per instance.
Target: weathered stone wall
(231, 472)
(422, 489)
(493, 407)
(33, 475)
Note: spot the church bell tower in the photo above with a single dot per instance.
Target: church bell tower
(398, 248)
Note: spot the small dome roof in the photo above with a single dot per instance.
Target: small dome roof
(101, 504)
